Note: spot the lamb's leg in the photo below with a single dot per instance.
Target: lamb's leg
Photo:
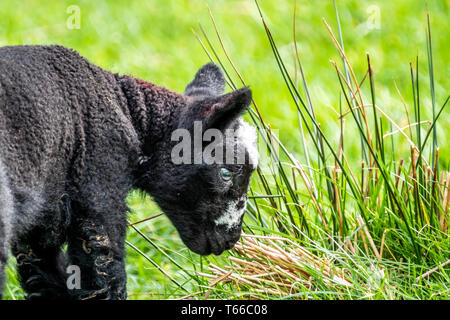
(6, 213)
(41, 268)
(96, 246)
(3, 259)
(2, 276)
(3, 249)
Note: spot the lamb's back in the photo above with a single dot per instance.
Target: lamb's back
(50, 99)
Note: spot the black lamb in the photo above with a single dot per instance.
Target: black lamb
(74, 139)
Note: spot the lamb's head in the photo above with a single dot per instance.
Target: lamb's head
(203, 180)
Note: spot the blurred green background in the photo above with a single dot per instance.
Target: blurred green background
(153, 40)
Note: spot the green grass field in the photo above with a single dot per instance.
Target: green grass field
(368, 232)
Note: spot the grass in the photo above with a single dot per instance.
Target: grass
(353, 200)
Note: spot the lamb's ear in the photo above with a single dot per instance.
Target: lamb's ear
(208, 81)
(226, 108)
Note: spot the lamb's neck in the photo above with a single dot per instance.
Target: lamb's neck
(151, 108)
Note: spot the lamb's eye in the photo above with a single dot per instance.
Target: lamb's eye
(226, 174)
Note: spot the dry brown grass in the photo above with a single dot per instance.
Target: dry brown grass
(274, 265)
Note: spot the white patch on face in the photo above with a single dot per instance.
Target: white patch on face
(231, 217)
(246, 135)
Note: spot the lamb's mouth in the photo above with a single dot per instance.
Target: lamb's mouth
(217, 245)
(214, 242)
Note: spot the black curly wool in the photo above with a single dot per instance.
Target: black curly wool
(74, 139)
